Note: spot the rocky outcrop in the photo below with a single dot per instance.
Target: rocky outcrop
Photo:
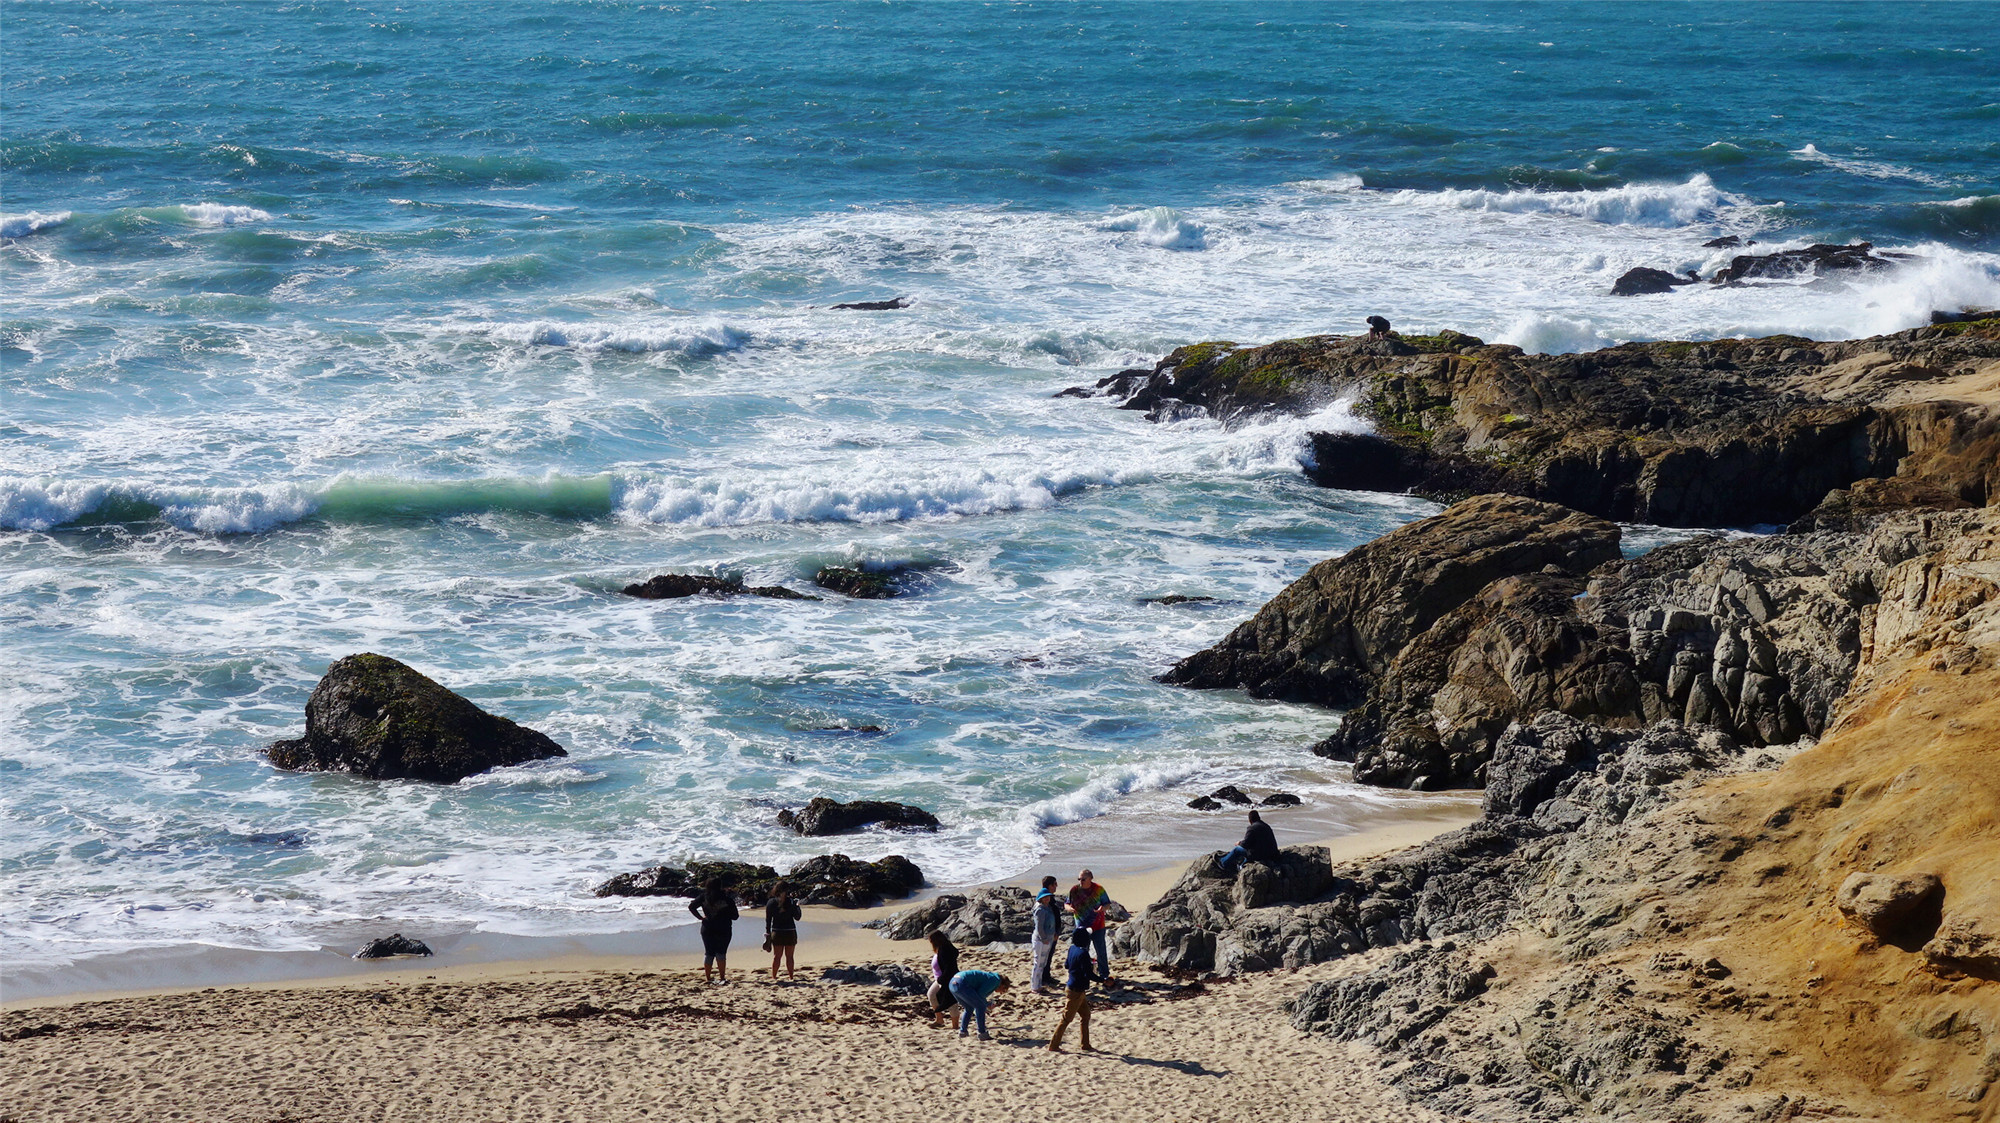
(830, 879)
(376, 717)
(1813, 261)
(992, 914)
(1728, 432)
(823, 816)
(1334, 630)
(673, 586)
(1666, 923)
(1755, 637)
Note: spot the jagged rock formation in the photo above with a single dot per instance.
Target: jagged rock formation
(822, 816)
(379, 718)
(1729, 432)
(1667, 923)
(1442, 633)
(862, 584)
(991, 914)
(830, 879)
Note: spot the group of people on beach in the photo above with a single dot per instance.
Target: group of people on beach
(716, 909)
(1088, 961)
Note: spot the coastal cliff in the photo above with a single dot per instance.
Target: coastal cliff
(1740, 848)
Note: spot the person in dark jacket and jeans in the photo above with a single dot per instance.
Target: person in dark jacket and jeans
(1258, 845)
(781, 928)
(717, 912)
(1078, 965)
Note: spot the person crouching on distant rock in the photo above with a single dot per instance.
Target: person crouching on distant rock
(717, 913)
(1258, 845)
(781, 928)
(944, 964)
(1078, 966)
(1048, 922)
(972, 989)
(1378, 328)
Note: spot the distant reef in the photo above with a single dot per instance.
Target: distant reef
(1740, 849)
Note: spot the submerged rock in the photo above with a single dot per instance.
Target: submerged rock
(673, 586)
(875, 305)
(388, 946)
(1230, 793)
(1280, 799)
(1204, 803)
(1815, 259)
(862, 584)
(1176, 598)
(376, 717)
(824, 816)
(1644, 282)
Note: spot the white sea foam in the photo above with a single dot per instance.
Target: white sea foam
(1869, 169)
(1637, 204)
(704, 337)
(220, 214)
(33, 222)
(1162, 226)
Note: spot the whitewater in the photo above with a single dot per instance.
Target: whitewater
(435, 377)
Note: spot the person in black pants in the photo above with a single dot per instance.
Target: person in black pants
(1258, 845)
(717, 912)
(781, 928)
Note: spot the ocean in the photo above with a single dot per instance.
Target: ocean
(422, 329)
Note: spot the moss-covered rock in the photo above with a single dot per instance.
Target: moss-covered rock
(376, 717)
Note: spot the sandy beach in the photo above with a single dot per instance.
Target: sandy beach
(642, 1037)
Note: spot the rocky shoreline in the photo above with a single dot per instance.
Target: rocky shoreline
(1740, 852)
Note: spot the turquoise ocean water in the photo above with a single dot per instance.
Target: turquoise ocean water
(422, 328)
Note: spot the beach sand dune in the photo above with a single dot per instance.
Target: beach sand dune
(616, 1046)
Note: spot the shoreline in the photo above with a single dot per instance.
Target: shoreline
(827, 936)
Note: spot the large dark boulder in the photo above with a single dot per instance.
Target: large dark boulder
(861, 584)
(824, 816)
(1332, 631)
(1813, 260)
(376, 717)
(830, 879)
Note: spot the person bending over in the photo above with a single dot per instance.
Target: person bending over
(1258, 845)
(972, 989)
(1078, 966)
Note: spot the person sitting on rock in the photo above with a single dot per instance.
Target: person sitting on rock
(716, 910)
(944, 964)
(1078, 966)
(1378, 328)
(781, 928)
(1258, 845)
(972, 989)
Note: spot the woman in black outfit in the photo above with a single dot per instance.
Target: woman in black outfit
(781, 928)
(717, 913)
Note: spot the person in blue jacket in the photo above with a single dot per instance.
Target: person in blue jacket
(972, 989)
(1079, 967)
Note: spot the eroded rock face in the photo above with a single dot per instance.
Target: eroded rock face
(1001, 914)
(1892, 907)
(379, 718)
(1331, 632)
(823, 816)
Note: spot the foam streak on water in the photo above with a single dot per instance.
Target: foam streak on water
(436, 377)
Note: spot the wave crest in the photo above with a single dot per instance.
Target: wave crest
(1634, 204)
(33, 222)
(707, 338)
(1161, 226)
